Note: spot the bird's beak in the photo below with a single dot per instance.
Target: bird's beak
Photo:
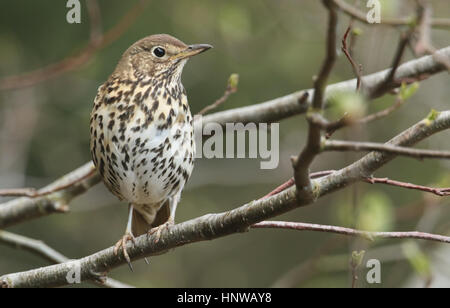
(192, 50)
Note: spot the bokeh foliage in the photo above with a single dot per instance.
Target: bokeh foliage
(276, 47)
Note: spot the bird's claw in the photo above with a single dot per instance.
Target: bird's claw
(159, 229)
(99, 277)
(123, 243)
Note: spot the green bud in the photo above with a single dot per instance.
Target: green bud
(233, 81)
(432, 115)
(357, 258)
(357, 31)
(406, 91)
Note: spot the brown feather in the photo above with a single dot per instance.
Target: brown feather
(139, 226)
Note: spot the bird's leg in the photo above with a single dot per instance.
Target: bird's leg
(127, 237)
(170, 222)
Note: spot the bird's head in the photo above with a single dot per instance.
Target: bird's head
(157, 55)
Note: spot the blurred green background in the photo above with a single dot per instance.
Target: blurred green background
(276, 46)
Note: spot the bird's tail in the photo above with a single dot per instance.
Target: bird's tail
(140, 226)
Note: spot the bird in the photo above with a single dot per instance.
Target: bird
(142, 134)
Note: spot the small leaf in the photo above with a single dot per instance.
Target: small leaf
(432, 115)
(406, 91)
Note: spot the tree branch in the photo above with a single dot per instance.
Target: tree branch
(33, 193)
(386, 85)
(356, 68)
(217, 225)
(22, 209)
(424, 44)
(97, 42)
(362, 17)
(365, 167)
(46, 252)
(288, 106)
(302, 163)
(371, 180)
(347, 121)
(339, 145)
(299, 226)
(232, 84)
(437, 191)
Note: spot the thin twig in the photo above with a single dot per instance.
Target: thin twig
(371, 180)
(73, 62)
(231, 88)
(95, 21)
(327, 66)
(33, 193)
(18, 192)
(424, 44)
(362, 17)
(380, 114)
(288, 106)
(339, 145)
(424, 16)
(390, 79)
(352, 232)
(346, 121)
(302, 163)
(46, 252)
(356, 260)
(437, 191)
(214, 226)
(21, 209)
(291, 182)
(357, 69)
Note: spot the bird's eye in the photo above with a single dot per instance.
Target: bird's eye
(159, 52)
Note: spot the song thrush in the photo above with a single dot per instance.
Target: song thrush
(142, 139)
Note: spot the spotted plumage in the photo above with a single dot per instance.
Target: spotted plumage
(142, 138)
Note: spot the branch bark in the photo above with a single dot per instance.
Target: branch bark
(339, 145)
(304, 160)
(46, 252)
(288, 106)
(299, 226)
(22, 209)
(362, 17)
(213, 226)
(444, 191)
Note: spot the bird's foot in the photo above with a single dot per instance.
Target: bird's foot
(98, 277)
(122, 243)
(160, 228)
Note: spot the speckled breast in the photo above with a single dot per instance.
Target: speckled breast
(142, 140)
